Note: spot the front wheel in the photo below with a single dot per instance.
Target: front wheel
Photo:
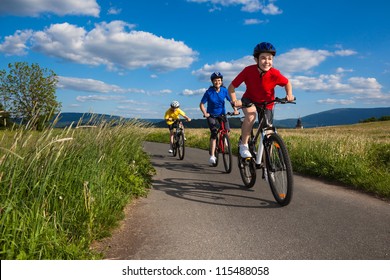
(247, 169)
(181, 146)
(227, 153)
(279, 169)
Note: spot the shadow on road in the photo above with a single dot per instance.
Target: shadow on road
(212, 192)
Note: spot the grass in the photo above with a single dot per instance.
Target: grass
(354, 155)
(62, 189)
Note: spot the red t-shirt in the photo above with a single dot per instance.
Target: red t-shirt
(260, 89)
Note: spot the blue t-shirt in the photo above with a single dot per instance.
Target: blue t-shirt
(215, 100)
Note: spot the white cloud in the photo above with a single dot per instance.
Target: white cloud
(253, 21)
(334, 84)
(302, 59)
(112, 44)
(16, 44)
(88, 98)
(91, 85)
(247, 5)
(336, 101)
(58, 7)
(189, 92)
(228, 69)
(271, 9)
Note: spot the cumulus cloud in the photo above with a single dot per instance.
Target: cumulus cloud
(112, 44)
(57, 7)
(190, 92)
(335, 84)
(267, 7)
(229, 69)
(91, 85)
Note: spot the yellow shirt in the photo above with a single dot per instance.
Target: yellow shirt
(173, 114)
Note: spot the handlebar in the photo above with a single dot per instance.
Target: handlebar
(228, 114)
(265, 103)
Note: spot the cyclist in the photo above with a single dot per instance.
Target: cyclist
(171, 116)
(215, 98)
(260, 80)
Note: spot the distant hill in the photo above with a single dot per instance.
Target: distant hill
(326, 118)
(336, 117)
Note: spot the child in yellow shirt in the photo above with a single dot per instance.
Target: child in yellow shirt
(171, 116)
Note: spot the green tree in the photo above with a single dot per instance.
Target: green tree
(28, 93)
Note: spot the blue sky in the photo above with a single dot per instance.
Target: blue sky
(132, 58)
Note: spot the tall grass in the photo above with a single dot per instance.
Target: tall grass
(354, 155)
(62, 189)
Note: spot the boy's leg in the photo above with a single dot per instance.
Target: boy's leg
(250, 118)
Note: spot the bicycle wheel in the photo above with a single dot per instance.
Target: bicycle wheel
(247, 169)
(181, 145)
(227, 153)
(174, 146)
(279, 169)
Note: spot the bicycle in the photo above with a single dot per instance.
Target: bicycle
(270, 154)
(223, 145)
(178, 145)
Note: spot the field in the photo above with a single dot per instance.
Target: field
(355, 155)
(62, 189)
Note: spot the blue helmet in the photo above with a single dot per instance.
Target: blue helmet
(264, 47)
(216, 75)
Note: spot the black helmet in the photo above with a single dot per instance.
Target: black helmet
(264, 47)
(216, 75)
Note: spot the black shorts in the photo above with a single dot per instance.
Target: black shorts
(269, 114)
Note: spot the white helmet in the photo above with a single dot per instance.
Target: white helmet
(175, 104)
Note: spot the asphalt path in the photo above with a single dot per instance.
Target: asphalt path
(195, 211)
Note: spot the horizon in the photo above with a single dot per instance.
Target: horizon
(132, 59)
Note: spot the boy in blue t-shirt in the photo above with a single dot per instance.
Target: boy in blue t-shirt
(215, 98)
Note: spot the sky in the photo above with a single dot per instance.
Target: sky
(132, 58)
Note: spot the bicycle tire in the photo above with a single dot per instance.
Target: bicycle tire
(279, 169)
(174, 146)
(181, 146)
(247, 169)
(227, 154)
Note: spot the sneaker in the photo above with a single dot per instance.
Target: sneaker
(244, 151)
(170, 151)
(213, 160)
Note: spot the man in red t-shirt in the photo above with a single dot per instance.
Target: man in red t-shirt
(260, 80)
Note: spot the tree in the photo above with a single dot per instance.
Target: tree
(28, 93)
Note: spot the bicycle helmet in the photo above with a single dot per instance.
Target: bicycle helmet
(264, 47)
(175, 104)
(216, 75)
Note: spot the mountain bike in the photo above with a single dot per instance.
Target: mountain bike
(270, 154)
(223, 144)
(178, 145)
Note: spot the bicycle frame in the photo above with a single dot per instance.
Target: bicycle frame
(263, 130)
(221, 132)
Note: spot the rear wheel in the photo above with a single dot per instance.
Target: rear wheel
(181, 146)
(227, 153)
(247, 169)
(279, 169)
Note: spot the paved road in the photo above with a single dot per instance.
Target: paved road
(195, 211)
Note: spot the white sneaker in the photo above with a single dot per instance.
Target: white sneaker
(170, 151)
(244, 151)
(213, 160)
